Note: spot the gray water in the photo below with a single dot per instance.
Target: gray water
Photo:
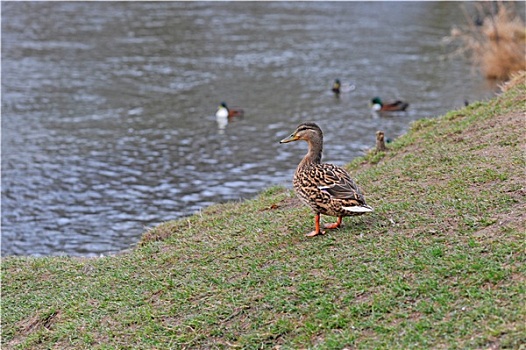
(108, 109)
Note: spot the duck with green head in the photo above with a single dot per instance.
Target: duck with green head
(326, 188)
(395, 106)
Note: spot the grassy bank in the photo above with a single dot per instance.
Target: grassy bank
(439, 264)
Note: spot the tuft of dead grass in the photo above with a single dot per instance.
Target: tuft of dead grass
(495, 40)
(514, 80)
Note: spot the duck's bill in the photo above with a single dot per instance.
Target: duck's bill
(289, 139)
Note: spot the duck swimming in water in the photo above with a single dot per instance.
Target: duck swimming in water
(224, 112)
(326, 188)
(395, 106)
(338, 87)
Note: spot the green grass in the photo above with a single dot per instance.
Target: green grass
(439, 264)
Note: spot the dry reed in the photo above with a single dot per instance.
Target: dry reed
(514, 80)
(495, 40)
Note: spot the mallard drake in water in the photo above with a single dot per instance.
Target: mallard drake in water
(224, 112)
(326, 188)
(379, 106)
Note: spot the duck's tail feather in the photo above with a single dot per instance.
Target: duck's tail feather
(359, 209)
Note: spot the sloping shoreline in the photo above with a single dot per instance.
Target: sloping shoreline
(439, 264)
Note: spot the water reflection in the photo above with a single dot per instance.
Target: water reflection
(108, 121)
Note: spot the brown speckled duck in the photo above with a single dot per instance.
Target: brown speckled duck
(326, 188)
(380, 141)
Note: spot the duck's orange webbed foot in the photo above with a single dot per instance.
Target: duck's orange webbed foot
(315, 233)
(331, 226)
(317, 230)
(337, 224)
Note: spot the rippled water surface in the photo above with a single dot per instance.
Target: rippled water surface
(108, 109)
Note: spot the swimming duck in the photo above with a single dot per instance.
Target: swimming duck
(379, 106)
(336, 87)
(224, 112)
(326, 188)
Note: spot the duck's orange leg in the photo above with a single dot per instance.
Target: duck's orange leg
(337, 224)
(317, 230)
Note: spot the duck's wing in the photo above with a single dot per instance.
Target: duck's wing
(338, 183)
(238, 112)
(398, 105)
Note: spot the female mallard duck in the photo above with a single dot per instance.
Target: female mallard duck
(379, 106)
(380, 141)
(224, 112)
(326, 188)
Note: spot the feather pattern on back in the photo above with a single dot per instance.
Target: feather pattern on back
(327, 189)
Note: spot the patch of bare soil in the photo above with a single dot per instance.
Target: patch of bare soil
(287, 203)
(480, 140)
(501, 128)
(33, 324)
(514, 219)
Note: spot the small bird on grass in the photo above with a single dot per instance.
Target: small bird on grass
(380, 141)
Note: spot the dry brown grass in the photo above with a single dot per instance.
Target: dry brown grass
(495, 41)
(514, 80)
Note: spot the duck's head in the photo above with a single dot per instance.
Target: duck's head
(223, 105)
(376, 103)
(305, 131)
(336, 86)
